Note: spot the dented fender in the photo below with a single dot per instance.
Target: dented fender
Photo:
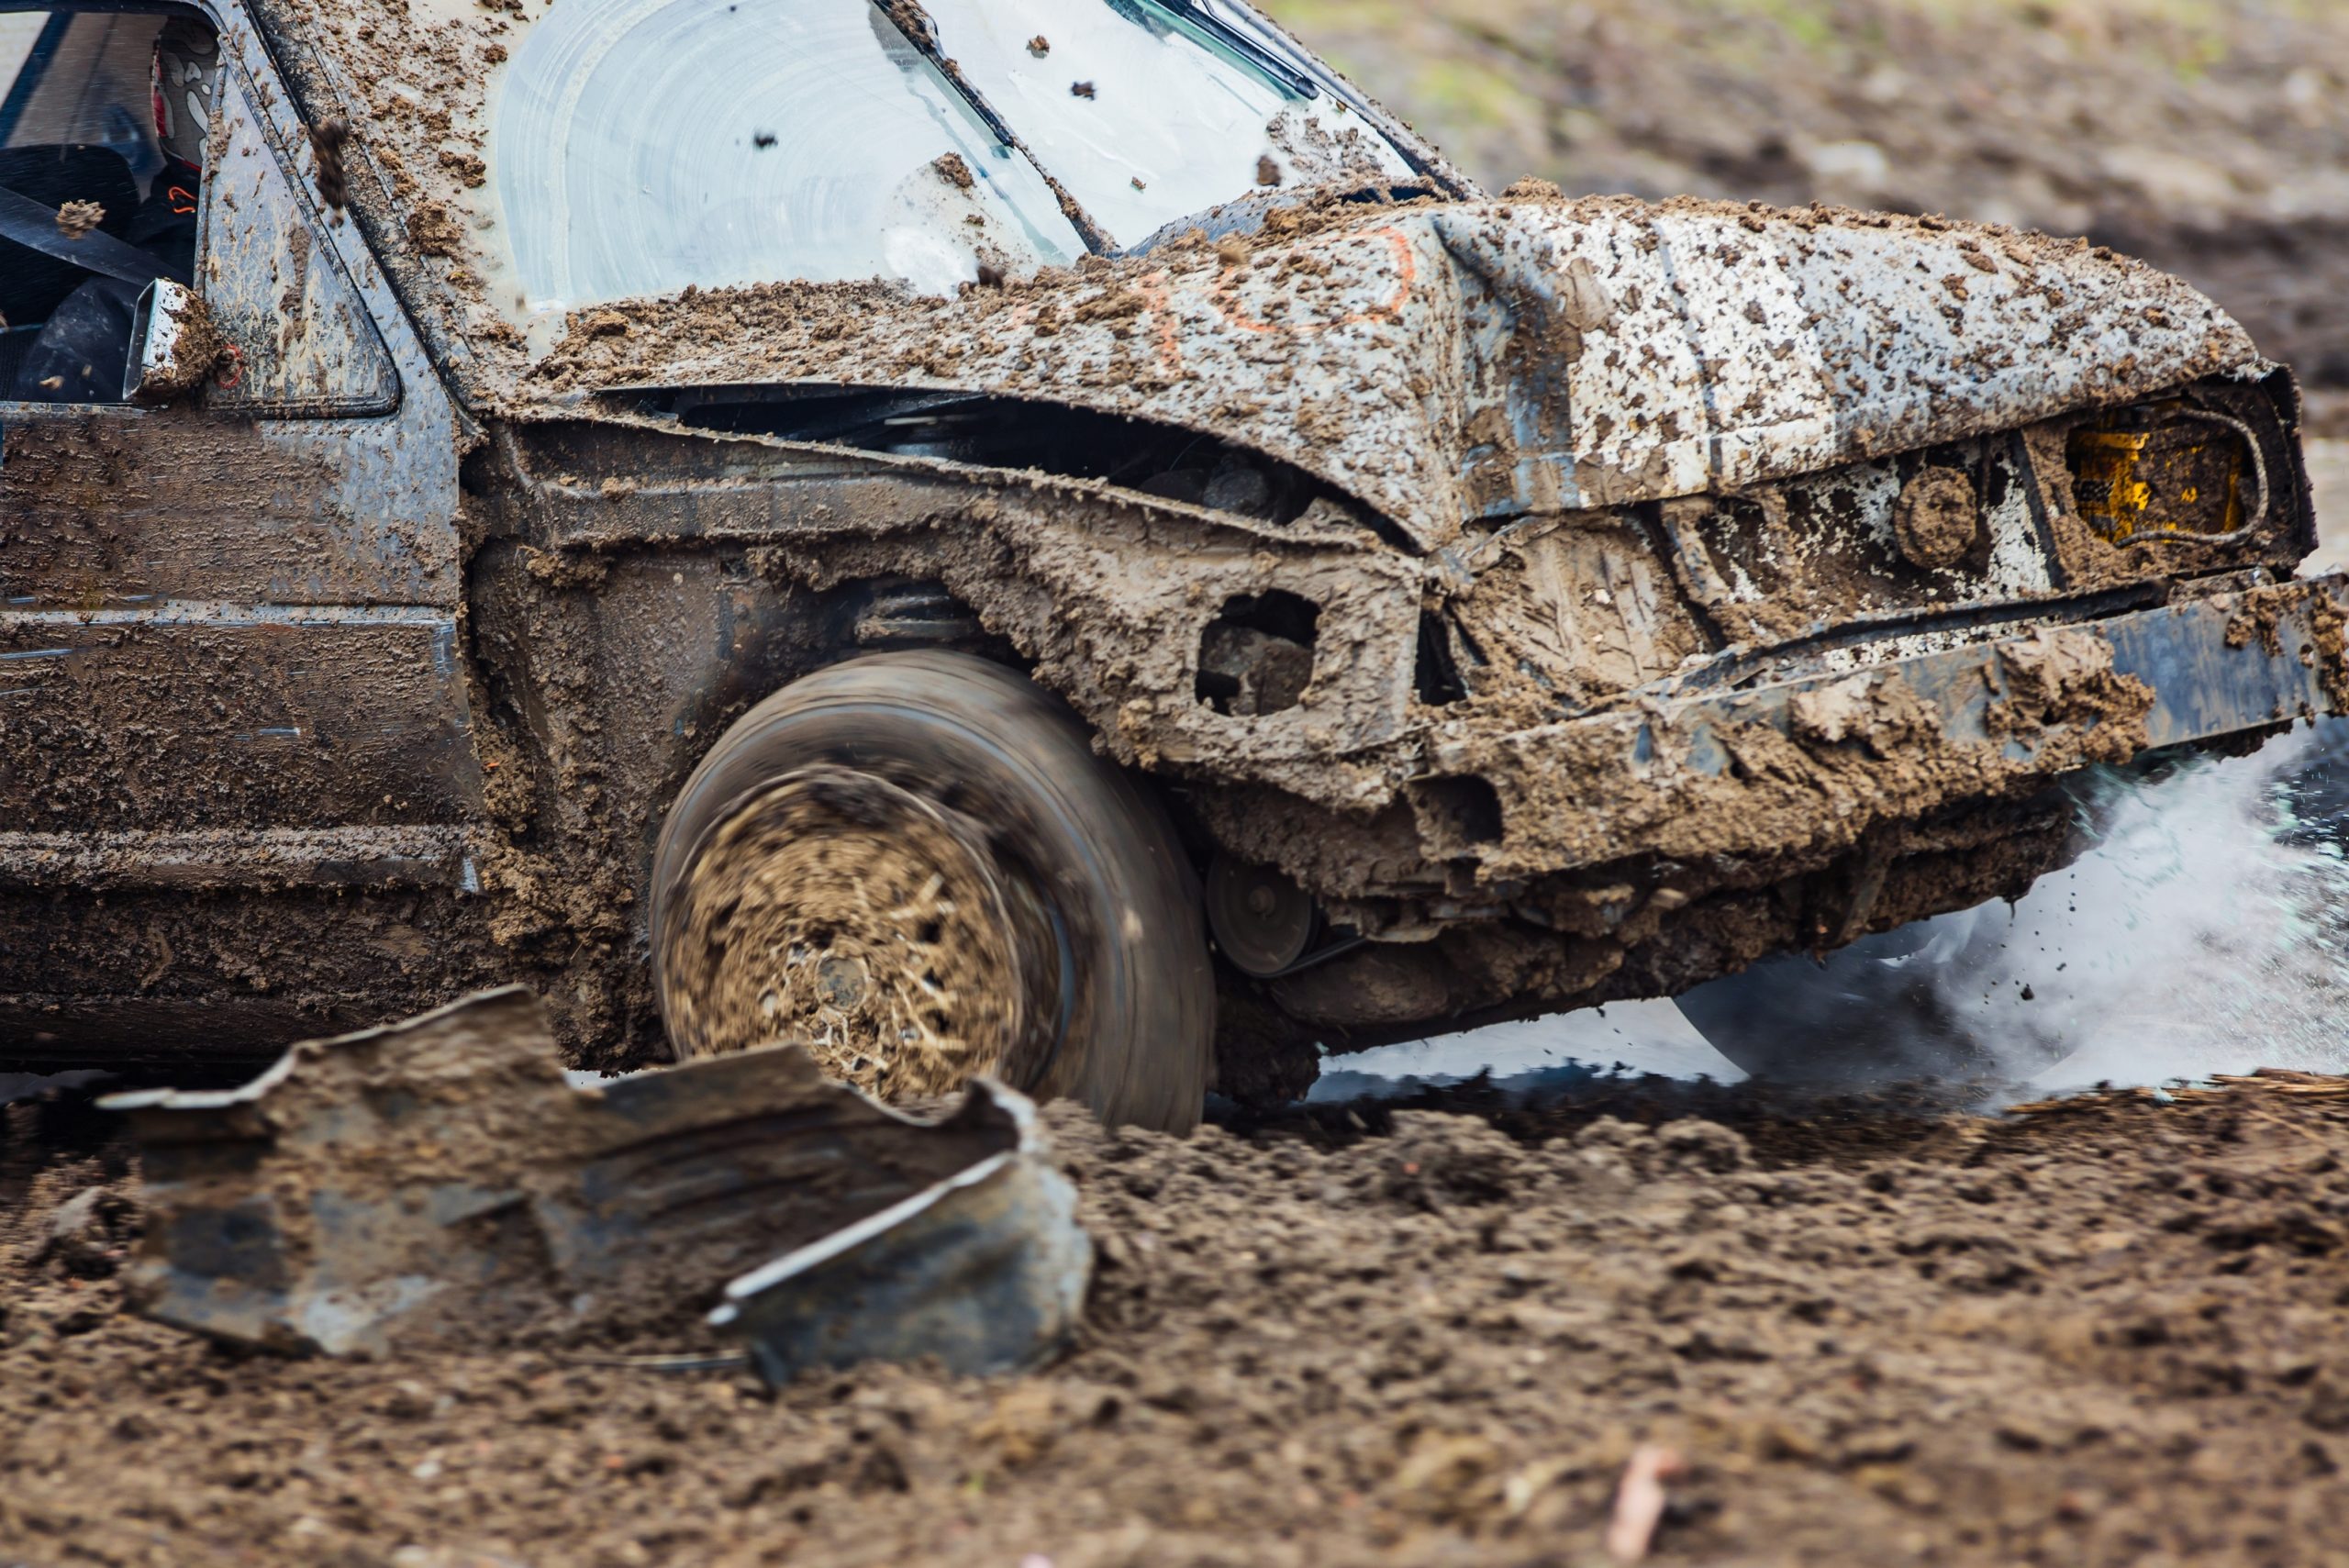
(1114, 595)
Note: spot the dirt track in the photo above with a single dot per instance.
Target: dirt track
(2107, 1335)
(2110, 1335)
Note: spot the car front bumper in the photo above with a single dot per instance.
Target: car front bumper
(1875, 735)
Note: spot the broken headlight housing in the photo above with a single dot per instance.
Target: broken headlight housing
(2170, 469)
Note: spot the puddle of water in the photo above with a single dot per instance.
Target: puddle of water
(1643, 1037)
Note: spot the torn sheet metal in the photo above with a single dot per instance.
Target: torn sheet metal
(986, 1272)
(438, 1182)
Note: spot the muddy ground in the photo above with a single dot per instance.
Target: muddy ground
(2108, 1334)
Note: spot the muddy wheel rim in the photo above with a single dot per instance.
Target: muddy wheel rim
(876, 928)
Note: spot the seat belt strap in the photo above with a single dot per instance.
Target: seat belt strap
(31, 224)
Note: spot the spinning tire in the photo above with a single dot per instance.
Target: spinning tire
(914, 865)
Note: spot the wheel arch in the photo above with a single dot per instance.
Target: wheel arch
(632, 589)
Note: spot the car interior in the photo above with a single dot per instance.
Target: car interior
(76, 125)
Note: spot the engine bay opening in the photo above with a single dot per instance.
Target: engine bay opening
(1256, 656)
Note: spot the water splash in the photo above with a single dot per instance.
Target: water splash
(2207, 930)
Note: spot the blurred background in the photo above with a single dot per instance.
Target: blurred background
(2211, 137)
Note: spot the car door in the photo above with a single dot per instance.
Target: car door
(236, 777)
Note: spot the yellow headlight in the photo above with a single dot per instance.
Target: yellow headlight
(2159, 470)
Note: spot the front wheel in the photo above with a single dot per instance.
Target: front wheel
(914, 865)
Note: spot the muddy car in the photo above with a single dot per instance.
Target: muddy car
(1057, 540)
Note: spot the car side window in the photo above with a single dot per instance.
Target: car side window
(129, 153)
(300, 340)
(83, 172)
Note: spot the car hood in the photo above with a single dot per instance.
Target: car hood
(1445, 362)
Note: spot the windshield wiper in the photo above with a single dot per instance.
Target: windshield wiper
(1242, 43)
(908, 17)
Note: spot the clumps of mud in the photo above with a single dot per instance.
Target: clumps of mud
(1372, 1334)
(77, 219)
(861, 915)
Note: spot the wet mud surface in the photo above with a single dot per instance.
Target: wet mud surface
(2110, 1332)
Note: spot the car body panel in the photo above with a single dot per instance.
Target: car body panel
(236, 743)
